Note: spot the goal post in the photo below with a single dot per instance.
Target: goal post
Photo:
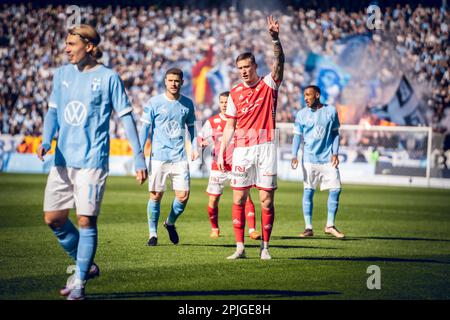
(397, 155)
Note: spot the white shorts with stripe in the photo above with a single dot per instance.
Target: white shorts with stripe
(177, 172)
(255, 166)
(324, 174)
(78, 188)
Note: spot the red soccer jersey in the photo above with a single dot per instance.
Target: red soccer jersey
(254, 109)
(213, 130)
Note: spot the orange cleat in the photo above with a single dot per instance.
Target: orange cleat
(215, 233)
(255, 235)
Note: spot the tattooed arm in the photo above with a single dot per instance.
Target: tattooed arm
(278, 66)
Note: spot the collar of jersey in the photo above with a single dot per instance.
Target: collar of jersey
(167, 98)
(253, 85)
(90, 70)
(223, 117)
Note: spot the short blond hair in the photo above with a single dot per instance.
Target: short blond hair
(87, 33)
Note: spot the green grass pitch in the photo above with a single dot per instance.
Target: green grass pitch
(404, 231)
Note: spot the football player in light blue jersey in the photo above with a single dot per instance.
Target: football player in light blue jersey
(165, 117)
(83, 97)
(318, 125)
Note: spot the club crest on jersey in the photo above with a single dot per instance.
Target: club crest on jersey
(184, 111)
(75, 113)
(95, 84)
(217, 120)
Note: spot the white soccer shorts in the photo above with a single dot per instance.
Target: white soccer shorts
(324, 174)
(178, 172)
(217, 180)
(255, 166)
(69, 188)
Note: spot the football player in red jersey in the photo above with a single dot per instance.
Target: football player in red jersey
(251, 112)
(211, 134)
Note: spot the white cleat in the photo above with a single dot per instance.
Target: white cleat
(94, 271)
(77, 292)
(239, 254)
(265, 254)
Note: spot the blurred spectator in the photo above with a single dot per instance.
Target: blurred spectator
(142, 42)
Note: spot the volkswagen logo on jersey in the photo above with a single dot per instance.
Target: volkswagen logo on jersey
(172, 129)
(75, 113)
(319, 132)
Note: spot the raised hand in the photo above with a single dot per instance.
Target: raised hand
(273, 26)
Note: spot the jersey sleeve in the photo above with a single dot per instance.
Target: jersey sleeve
(231, 108)
(190, 120)
(271, 83)
(118, 96)
(297, 125)
(336, 124)
(206, 131)
(55, 96)
(148, 114)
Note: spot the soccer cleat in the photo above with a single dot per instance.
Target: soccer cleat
(215, 233)
(335, 232)
(94, 271)
(239, 254)
(307, 233)
(265, 254)
(173, 235)
(254, 235)
(77, 293)
(153, 241)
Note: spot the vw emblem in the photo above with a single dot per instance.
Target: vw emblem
(75, 113)
(319, 132)
(172, 129)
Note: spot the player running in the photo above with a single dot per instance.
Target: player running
(211, 134)
(318, 124)
(83, 97)
(251, 112)
(165, 117)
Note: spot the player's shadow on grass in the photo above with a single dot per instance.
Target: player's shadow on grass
(259, 294)
(371, 259)
(315, 238)
(257, 246)
(401, 239)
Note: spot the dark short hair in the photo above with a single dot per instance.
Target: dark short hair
(315, 88)
(246, 55)
(224, 94)
(176, 71)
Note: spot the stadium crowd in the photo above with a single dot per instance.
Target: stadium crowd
(142, 42)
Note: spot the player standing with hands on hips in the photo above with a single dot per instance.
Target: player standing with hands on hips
(83, 97)
(318, 124)
(251, 113)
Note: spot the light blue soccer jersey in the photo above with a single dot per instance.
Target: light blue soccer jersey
(168, 120)
(84, 102)
(318, 128)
